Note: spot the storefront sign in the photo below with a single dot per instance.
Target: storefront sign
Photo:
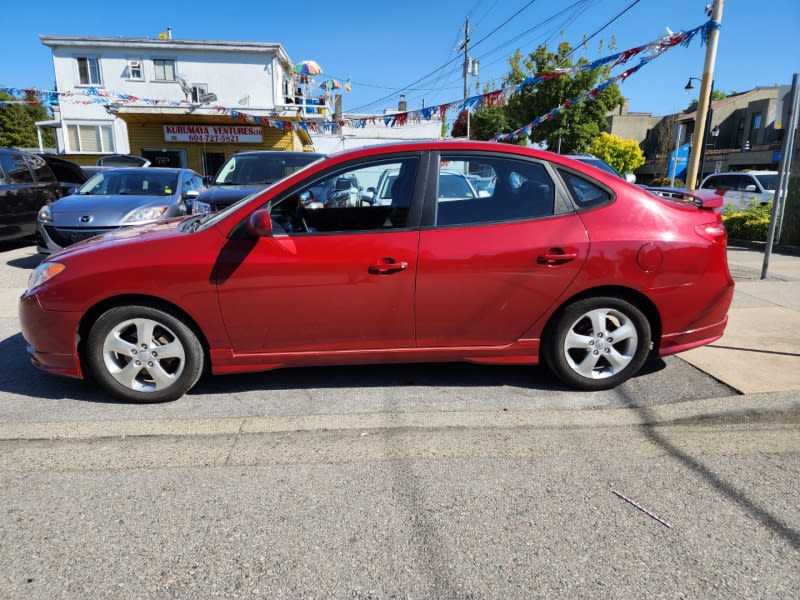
(213, 134)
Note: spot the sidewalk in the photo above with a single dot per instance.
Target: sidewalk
(759, 351)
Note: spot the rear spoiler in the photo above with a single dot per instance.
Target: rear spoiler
(708, 199)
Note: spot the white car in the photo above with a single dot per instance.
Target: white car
(744, 188)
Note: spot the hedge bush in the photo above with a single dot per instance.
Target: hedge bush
(751, 223)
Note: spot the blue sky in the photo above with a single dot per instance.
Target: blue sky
(384, 47)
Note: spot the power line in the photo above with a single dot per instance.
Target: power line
(626, 9)
(379, 100)
(440, 69)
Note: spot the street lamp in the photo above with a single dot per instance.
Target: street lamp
(707, 124)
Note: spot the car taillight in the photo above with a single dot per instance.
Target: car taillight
(714, 232)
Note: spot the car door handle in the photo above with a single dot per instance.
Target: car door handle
(387, 266)
(556, 256)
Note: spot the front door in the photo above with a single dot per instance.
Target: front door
(331, 278)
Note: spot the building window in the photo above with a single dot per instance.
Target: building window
(164, 69)
(135, 69)
(199, 90)
(88, 71)
(755, 122)
(90, 138)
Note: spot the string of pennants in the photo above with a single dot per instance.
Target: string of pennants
(647, 53)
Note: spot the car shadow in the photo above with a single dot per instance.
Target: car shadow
(18, 376)
(26, 262)
(451, 374)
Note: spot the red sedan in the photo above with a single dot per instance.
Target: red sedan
(553, 261)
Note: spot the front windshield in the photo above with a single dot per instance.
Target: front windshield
(768, 181)
(261, 169)
(149, 182)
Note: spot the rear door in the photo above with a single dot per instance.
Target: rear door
(489, 267)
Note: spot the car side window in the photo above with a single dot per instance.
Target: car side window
(585, 193)
(744, 181)
(16, 169)
(192, 182)
(371, 196)
(722, 182)
(476, 190)
(41, 170)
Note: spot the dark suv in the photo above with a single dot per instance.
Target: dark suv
(247, 172)
(26, 184)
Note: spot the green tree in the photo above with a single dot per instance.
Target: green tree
(715, 95)
(573, 129)
(488, 121)
(484, 123)
(624, 155)
(18, 123)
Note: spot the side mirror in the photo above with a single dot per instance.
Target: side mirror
(630, 177)
(191, 194)
(750, 188)
(260, 223)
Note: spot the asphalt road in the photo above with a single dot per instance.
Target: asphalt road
(411, 481)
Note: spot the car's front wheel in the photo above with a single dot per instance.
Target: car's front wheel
(598, 343)
(143, 354)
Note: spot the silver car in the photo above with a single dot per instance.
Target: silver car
(116, 198)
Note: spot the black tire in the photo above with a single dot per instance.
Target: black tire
(143, 354)
(578, 349)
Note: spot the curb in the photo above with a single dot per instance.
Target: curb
(746, 407)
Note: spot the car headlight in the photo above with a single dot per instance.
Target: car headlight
(44, 214)
(145, 214)
(43, 273)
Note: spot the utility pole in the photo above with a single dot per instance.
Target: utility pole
(466, 68)
(705, 97)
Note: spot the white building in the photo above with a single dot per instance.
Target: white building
(119, 95)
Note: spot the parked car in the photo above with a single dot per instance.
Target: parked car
(116, 198)
(70, 175)
(591, 159)
(741, 189)
(563, 264)
(247, 172)
(452, 185)
(26, 185)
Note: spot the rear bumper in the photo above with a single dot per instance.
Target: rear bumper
(52, 337)
(686, 340)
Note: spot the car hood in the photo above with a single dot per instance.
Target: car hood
(228, 194)
(128, 235)
(101, 210)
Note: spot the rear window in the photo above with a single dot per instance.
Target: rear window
(16, 169)
(585, 193)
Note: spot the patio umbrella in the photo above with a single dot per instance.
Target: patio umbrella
(307, 67)
(331, 84)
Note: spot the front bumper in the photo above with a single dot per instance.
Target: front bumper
(51, 336)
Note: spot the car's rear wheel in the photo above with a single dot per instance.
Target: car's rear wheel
(598, 343)
(143, 354)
